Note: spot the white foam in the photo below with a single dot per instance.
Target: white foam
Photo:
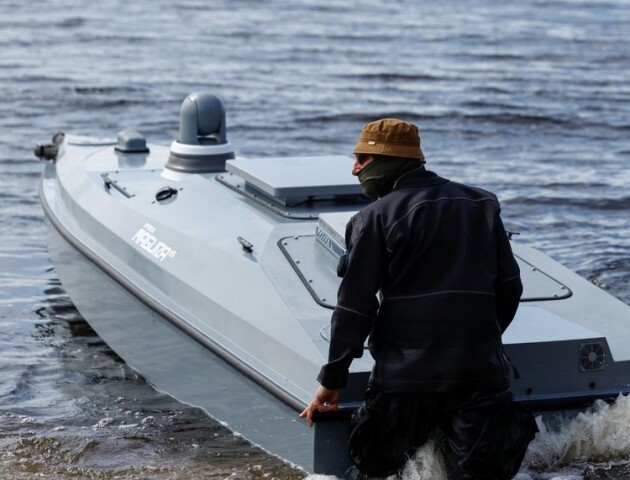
(427, 464)
(599, 434)
(105, 422)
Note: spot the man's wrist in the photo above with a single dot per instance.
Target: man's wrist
(332, 380)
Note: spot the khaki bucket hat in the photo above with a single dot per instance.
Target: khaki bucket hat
(391, 137)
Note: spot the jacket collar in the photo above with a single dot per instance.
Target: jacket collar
(420, 177)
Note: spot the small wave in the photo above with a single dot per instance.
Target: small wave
(606, 204)
(515, 118)
(394, 77)
(71, 22)
(90, 104)
(415, 117)
(113, 39)
(575, 185)
(497, 56)
(103, 90)
(31, 79)
(611, 274)
(491, 89)
(489, 104)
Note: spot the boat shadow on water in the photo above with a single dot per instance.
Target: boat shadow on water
(108, 422)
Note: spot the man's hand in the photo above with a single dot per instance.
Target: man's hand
(326, 400)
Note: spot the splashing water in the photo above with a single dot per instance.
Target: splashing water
(597, 435)
(568, 443)
(427, 464)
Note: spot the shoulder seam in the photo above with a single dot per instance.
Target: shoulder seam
(436, 200)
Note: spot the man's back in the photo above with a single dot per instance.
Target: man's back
(437, 327)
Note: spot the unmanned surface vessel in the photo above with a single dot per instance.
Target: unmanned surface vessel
(215, 277)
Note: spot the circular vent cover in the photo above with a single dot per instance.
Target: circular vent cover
(592, 357)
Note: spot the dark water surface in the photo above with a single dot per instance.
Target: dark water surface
(530, 99)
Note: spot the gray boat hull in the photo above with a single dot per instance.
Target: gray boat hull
(217, 287)
(172, 361)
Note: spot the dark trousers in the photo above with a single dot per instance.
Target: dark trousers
(483, 435)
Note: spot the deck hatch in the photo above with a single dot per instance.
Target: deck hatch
(292, 180)
(537, 285)
(315, 267)
(300, 208)
(315, 259)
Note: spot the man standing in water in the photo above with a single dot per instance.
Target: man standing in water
(438, 255)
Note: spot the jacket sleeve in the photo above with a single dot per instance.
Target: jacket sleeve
(357, 304)
(508, 287)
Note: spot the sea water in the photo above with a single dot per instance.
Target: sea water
(529, 99)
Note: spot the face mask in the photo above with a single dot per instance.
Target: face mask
(378, 178)
(372, 178)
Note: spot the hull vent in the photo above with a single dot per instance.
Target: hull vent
(592, 357)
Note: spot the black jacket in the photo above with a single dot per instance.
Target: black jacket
(439, 255)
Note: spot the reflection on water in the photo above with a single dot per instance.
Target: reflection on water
(71, 408)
